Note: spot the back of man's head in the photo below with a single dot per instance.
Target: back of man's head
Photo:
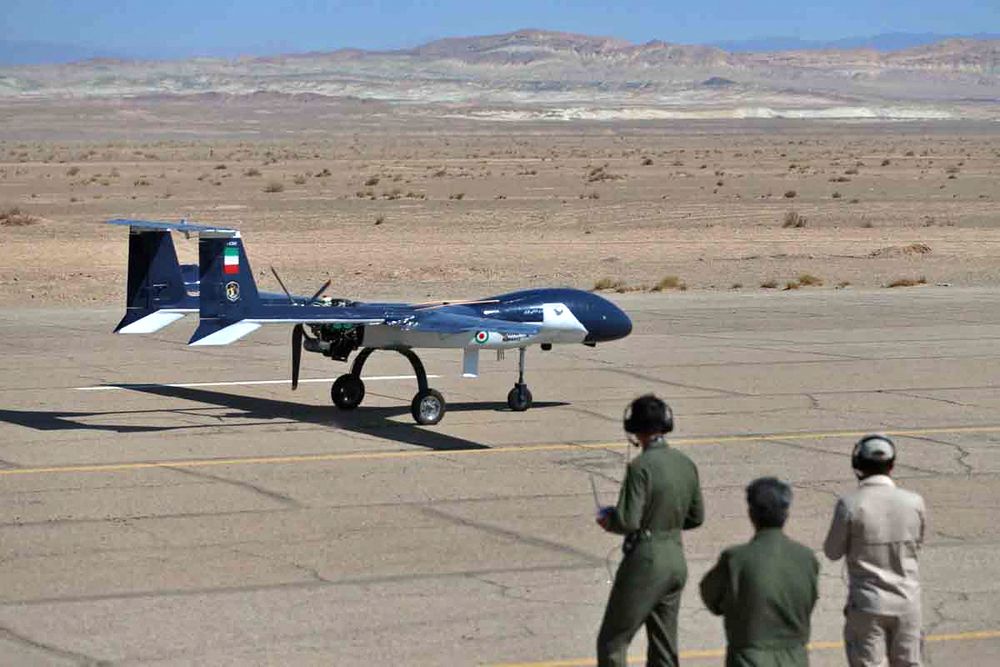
(648, 414)
(769, 500)
(873, 454)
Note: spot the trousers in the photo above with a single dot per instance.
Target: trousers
(871, 638)
(647, 591)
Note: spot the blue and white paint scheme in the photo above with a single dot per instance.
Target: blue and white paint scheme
(230, 307)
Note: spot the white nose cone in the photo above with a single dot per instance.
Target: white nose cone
(559, 324)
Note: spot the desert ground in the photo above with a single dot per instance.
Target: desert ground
(166, 505)
(390, 202)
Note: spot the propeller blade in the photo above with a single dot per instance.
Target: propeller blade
(320, 291)
(283, 288)
(298, 331)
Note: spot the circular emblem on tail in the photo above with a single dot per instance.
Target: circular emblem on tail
(233, 291)
(482, 337)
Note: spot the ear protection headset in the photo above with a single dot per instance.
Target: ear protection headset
(654, 416)
(873, 448)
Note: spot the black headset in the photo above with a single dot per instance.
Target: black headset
(856, 458)
(662, 422)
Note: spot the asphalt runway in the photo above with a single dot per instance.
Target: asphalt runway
(231, 521)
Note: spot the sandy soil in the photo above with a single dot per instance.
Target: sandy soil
(400, 203)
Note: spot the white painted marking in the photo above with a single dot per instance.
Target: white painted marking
(227, 335)
(155, 321)
(115, 387)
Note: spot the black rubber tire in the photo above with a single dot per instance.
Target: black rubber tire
(347, 392)
(519, 398)
(428, 407)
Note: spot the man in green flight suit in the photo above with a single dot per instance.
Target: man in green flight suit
(660, 497)
(767, 588)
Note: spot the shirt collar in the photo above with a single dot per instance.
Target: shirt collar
(767, 533)
(878, 480)
(657, 442)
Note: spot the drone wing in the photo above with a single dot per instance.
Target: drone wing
(446, 322)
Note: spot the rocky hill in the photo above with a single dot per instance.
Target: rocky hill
(539, 73)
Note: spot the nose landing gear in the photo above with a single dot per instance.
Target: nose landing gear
(519, 398)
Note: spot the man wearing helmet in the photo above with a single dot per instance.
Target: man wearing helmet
(660, 496)
(879, 529)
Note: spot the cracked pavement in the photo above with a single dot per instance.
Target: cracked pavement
(466, 555)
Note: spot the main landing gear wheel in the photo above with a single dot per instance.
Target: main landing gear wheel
(347, 392)
(428, 407)
(519, 398)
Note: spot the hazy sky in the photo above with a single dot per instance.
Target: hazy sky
(178, 28)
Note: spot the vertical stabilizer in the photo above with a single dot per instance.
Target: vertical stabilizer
(155, 294)
(228, 290)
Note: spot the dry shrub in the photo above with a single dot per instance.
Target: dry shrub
(458, 196)
(791, 194)
(901, 251)
(793, 219)
(252, 171)
(809, 280)
(769, 284)
(372, 180)
(908, 282)
(607, 284)
(274, 186)
(792, 284)
(598, 174)
(669, 283)
(15, 217)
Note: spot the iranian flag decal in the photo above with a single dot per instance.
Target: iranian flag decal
(231, 260)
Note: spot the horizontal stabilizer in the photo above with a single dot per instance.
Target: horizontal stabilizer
(158, 226)
(150, 323)
(210, 333)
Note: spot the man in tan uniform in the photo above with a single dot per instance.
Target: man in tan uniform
(879, 529)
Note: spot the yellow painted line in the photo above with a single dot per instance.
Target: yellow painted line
(502, 449)
(721, 653)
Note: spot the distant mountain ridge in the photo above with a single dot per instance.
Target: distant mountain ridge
(17, 52)
(570, 75)
(889, 41)
(14, 52)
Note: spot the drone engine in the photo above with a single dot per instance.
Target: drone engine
(336, 341)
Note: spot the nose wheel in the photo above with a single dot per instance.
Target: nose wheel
(519, 398)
